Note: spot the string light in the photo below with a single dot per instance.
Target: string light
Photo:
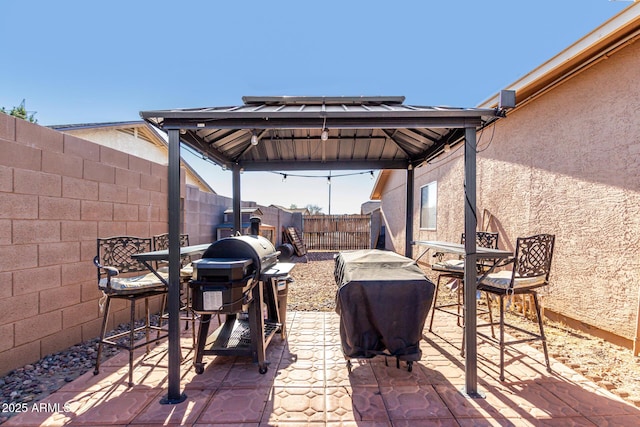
(327, 177)
(284, 175)
(325, 132)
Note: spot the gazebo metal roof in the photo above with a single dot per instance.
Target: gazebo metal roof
(363, 132)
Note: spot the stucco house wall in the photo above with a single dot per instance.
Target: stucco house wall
(127, 143)
(393, 210)
(566, 163)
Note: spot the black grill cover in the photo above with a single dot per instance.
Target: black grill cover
(383, 299)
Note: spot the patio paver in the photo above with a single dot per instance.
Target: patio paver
(308, 384)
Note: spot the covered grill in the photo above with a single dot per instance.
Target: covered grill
(383, 300)
(235, 276)
(228, 270)
(257, 248)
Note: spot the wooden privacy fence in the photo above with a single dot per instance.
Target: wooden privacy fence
(336, 232)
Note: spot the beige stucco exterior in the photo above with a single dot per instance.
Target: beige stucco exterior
(566, 162)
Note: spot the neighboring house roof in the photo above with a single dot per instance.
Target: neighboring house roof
(254, 210)
(369, 207)
(617, 32)
(303, 211)
(104, 134)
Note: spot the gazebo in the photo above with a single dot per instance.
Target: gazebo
(323, 133)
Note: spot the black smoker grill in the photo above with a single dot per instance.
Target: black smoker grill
(383, 300)
(230, 279)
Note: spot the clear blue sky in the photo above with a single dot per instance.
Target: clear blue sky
(83, 61)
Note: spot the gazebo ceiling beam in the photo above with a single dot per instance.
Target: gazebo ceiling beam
(398, 144)
(272, 165)
(318, 138)
(207, 151)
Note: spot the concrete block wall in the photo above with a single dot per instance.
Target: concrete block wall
(58, 193)
(203, 213)
(278, 218)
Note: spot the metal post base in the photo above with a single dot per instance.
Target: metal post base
(167, 401)
(473, 395)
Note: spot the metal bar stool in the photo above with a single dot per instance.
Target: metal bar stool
(113, 259)
(531, 266)
(453, 269)
(161, 242)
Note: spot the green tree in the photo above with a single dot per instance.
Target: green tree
(21, 112)
(314, 209)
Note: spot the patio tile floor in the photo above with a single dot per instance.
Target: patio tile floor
(308, 384)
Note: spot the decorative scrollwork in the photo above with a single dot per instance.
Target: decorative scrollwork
(161, 242)
(487, 239)
(533, 255)
(117, 251)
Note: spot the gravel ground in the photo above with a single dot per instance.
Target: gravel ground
(35, 381)
(314, 289)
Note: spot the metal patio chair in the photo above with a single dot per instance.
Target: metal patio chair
(113, 261)
(530, 270)
(161, 242)
(453, 270)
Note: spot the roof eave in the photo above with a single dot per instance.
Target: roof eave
(618, 30)
(378, 186)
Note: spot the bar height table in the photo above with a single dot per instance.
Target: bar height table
(471, 359)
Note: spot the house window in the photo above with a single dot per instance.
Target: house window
(428, 203)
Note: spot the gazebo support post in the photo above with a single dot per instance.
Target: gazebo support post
(470, 275)
(174, 395)
(408, 252)
(237, 216)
